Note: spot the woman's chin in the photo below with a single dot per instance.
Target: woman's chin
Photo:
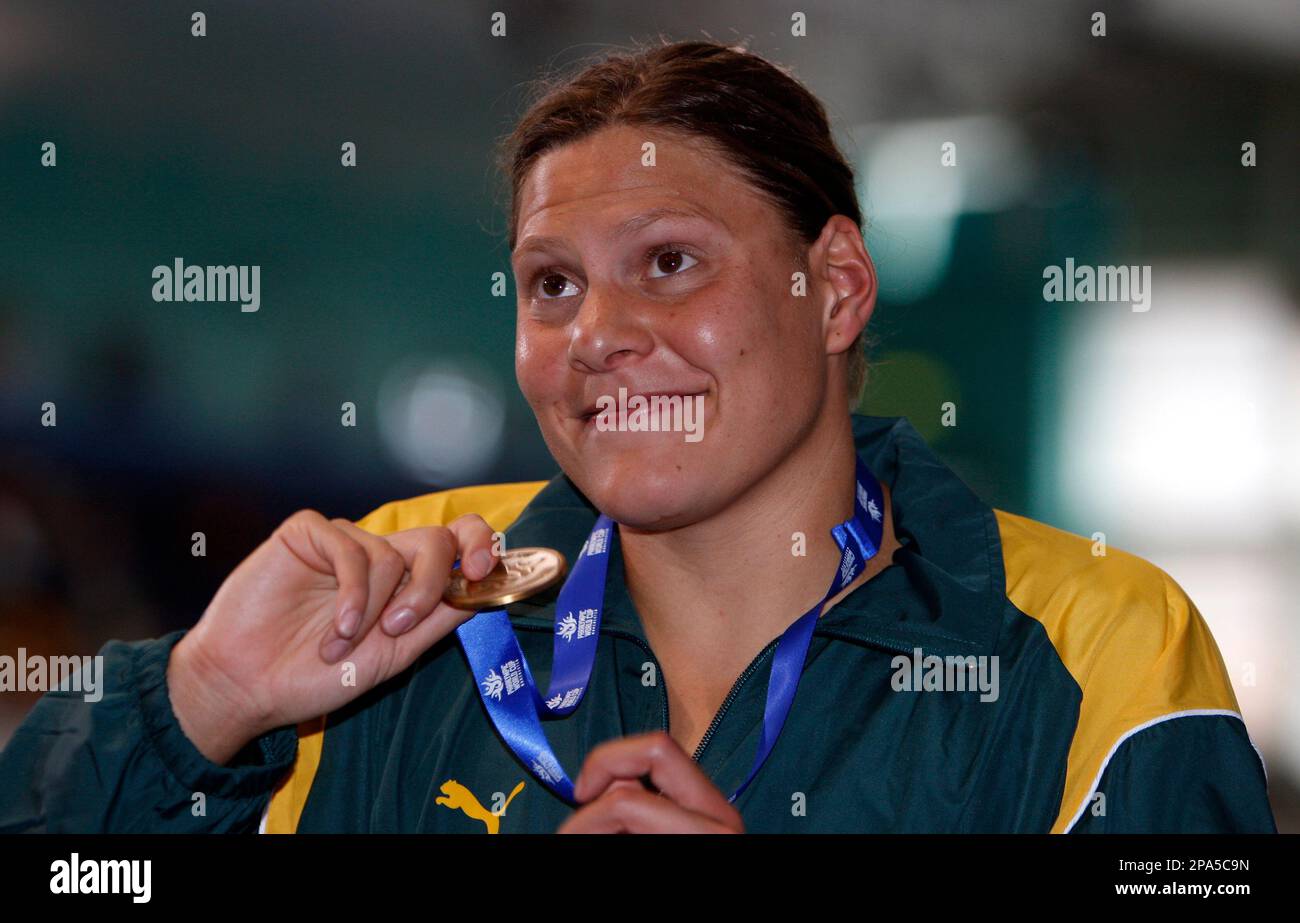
(649, 499)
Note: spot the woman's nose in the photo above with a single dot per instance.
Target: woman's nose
(606, 332)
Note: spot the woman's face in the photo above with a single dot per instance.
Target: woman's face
(613, 293)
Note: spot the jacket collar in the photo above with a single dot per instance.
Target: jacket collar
(943, 593)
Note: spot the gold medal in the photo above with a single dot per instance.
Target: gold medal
(520, 573)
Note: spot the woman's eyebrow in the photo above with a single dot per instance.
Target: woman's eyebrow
(631, 225)
(636, 222)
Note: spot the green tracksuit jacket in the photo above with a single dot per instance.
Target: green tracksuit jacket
(1114, 712)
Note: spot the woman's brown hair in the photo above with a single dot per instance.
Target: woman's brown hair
(748, 110)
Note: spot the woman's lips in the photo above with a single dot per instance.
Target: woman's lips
(594, 413)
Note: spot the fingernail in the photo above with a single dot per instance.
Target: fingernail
(397, 622)
(482, 561)
(350, 622)
(335, 650)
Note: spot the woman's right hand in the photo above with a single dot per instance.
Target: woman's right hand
(274, 646)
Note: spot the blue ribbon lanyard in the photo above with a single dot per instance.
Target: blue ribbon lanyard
(511, 696)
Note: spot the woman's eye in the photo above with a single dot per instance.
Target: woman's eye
(664, 261)
(553, 285)
(669, 260)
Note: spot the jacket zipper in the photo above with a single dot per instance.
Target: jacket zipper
(726, 703)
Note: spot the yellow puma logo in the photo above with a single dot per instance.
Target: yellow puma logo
(454, 795)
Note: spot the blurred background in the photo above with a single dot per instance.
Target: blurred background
(1173, 431)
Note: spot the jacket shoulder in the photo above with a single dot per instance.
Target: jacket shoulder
(1127, 633)
(498, 504)
(1105, 608)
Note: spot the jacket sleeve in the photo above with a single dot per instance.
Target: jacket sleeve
(122, 764)
(1193, 773)
(1159, 743)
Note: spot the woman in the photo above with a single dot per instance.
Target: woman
(682, 225)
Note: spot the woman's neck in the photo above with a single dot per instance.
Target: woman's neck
(734, 581)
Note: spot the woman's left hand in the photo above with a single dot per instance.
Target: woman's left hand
(613, 798)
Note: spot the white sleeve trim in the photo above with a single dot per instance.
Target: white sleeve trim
(266, 811)
(1092, 790)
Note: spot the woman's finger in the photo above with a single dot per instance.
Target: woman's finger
(669, 769)
(477, 549)
(430, 553)
(316, 542)
(629, 809)
(385, 568)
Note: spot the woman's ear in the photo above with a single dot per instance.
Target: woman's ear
(850, 280)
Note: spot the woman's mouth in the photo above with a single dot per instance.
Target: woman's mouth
(645, 411)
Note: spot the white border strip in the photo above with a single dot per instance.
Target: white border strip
(266, 812)
(1142, 727)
